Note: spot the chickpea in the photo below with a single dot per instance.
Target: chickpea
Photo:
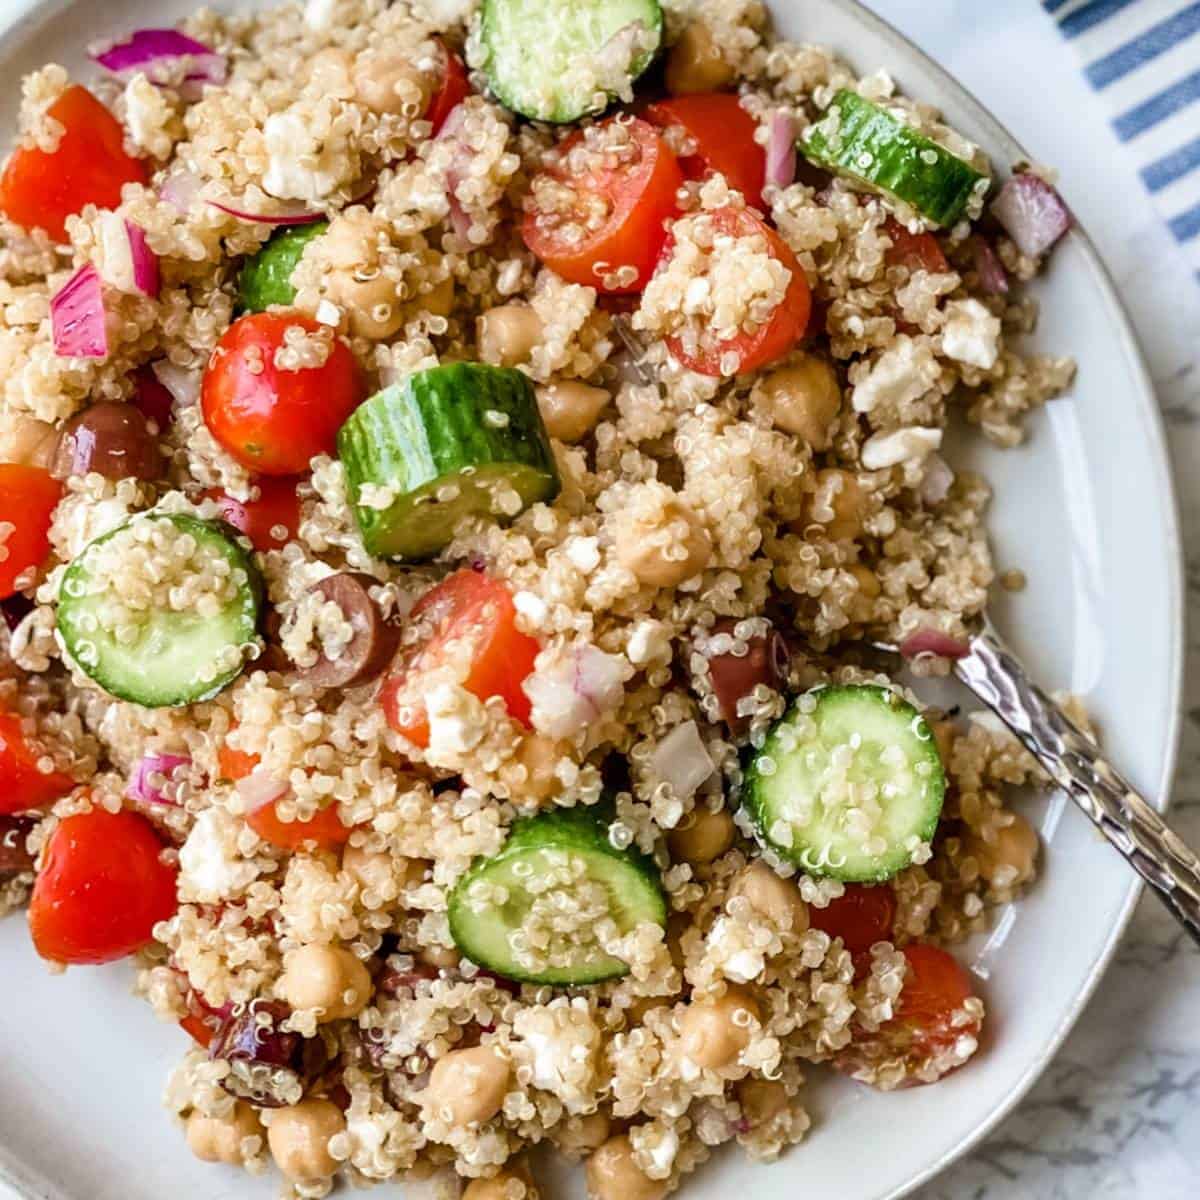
(28, 441)
(381, 872)
(663, 554)
(540, 756)
(612, 1174)
(332, 67)
(694, 63)
(386, 81)
(351, 251)
(771, 896)
(503, 1186)
(468, 1086)
(704, 836)
(712, 1033)
(570, 409)
(220, 1139)
(327, 978)
(508, 334)
(441, 958)
(1011, 858)
(803, 398)
(582, 1135)
(762, 1100)
(299, 1139)
(439, 300)
(847, 501)
(861, 605)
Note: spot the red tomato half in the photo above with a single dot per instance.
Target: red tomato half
(22, 786)
(861, 916)
(28, 498)
(936, 987)
(272, 420)
(604, 204)
(471, 616)
(916, 251)
(198, 1028)
(40, 190)
(723, 132)
(454, 88)
(770, 340)
(277, 507)
(102, 889)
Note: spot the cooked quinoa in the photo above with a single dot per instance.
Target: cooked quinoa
(683, 557)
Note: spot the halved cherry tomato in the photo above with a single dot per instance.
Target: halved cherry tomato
(277, 507)
(325, 829)
(28, 498)
(454, 88)
(936, 988)
(603, 205)
(41, 189)
(916, 251)
(273, 421)
(861, 916)
(101, 890)
(724, 135)
(471, 616)
(770, 340)
(22, 786)
(198, 1028)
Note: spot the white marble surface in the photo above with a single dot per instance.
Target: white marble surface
(1117, 1115)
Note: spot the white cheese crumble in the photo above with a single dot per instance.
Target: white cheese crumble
(682, 760)
(883, 450)
(298, 167)
(210, 867)
(902, 374)
(971, 334)
(649, 642)
(739, 963)
(457, 720)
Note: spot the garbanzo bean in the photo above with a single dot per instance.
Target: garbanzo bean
(354, 278)
(862, 604)
(28, 441)
(513, 1183)
(612, 1174)
(299, 1139)
(712, 1033)
(441, 958)
(380, 872)
(570, 409)
(665, 551)
(468, 1086)
(694, 63)
(540, 756)
(776, 898)
(802, 398)
(762, 1100)
(704, 836)
(581, 1135)
(846, 499)
(386, 81)
(327, 978)
(508, 334)
(1011, 858)
(221, 1139)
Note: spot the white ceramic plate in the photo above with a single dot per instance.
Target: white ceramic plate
(1085, 508)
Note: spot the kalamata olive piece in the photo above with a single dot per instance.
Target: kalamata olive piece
(15, 609)
(734, 676)
(269, 1066)
(109, 439)
(373, 640)
(14, 856)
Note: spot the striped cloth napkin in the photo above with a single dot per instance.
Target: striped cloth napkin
(1143, 56)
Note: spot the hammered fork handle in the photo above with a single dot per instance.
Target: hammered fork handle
(1077, 765)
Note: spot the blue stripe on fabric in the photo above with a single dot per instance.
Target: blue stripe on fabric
(1156, 40)
(1186, 225)
(1173, 166)
(1158, 108)
(1082, 19)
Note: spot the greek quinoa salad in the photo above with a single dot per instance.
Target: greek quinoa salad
(454, 464)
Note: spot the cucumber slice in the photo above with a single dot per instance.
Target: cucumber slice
(452, 442)
(116, 626)
(848, 784)
(559, 60)
(863, 142)
(266, 279)
(556, 869)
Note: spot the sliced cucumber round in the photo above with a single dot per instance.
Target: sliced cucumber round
(452, 442)
(536, 912)
(559, 60)
(848, 784)
(266, 278)
(865, 143)
(143, 651)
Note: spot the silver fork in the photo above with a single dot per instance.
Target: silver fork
(1076, 763)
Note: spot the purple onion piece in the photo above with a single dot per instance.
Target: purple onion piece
(158, 52)
(78, 326)
(142, 787)
(933, 641)
(781, 150)
(766, 661)
(992, 276)
(1032, 212)
(269, 1066)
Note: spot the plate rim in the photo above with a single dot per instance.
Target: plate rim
(23, 13)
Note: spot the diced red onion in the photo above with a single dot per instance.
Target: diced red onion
(575, 689)
(992, 276)
(77, 319)
(682, 760)
(290, 212)
(933, 641)
(939, 479)
(184, 385)
(449, 131)
(260, 788)
(129, 265)
(1032, 212)
(145, 261)
(781, 150)
(142, 787)
(158, 53)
